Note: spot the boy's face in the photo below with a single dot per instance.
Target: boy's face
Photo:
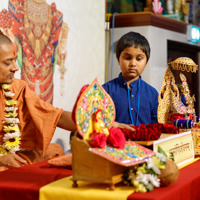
(8, 65)
(132, 62)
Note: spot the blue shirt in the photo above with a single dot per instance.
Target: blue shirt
(117, 89)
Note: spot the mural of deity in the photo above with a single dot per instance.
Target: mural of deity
(41, 36)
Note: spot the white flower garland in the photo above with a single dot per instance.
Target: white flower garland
(11, 139)
(145, 177)
(148, 178)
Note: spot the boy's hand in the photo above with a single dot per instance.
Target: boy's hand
(12, 160)
(125, 126)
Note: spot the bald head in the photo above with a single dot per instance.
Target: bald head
(4, 40)
(8, 57)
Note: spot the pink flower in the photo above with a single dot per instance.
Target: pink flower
(116, 138)
(97, 140)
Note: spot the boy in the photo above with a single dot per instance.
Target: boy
(135, 101)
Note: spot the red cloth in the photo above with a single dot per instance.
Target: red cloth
(25, 182)
(185, 187)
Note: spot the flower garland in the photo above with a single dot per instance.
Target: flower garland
(149, 131)
(11, 139)
(145, 177)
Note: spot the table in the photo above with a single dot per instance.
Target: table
(25, 182)
(186, 187)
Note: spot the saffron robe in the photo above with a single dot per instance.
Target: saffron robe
(38, 119)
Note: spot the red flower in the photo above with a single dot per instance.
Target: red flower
(169, 128)
(116, 138)
(97, 140)
(177, 116)
(143, 132)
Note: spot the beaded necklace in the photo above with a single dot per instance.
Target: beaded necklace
(138, 106)
(11, 139)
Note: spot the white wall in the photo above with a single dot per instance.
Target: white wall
(85, 52)
(157, 64)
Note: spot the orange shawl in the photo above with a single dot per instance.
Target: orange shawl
(38, 119)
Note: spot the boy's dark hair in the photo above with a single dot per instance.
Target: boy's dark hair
(133, 39)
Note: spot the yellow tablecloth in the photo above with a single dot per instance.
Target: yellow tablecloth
(63, 190)
(188, 163)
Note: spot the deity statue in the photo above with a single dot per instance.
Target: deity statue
(37, 28)
(168, 98)
(184, 7)
(186, 98)
(171, 100)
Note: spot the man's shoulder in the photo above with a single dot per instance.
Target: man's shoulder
(18, 83)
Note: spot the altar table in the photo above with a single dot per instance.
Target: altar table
(24, 183)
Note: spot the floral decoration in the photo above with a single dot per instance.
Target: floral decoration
(169, 128)
(97, 140)
(145, 176)
(93, 102)
(132, 154)
(116, 138)
(11, 139)
(149, 132)
(177, 116)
